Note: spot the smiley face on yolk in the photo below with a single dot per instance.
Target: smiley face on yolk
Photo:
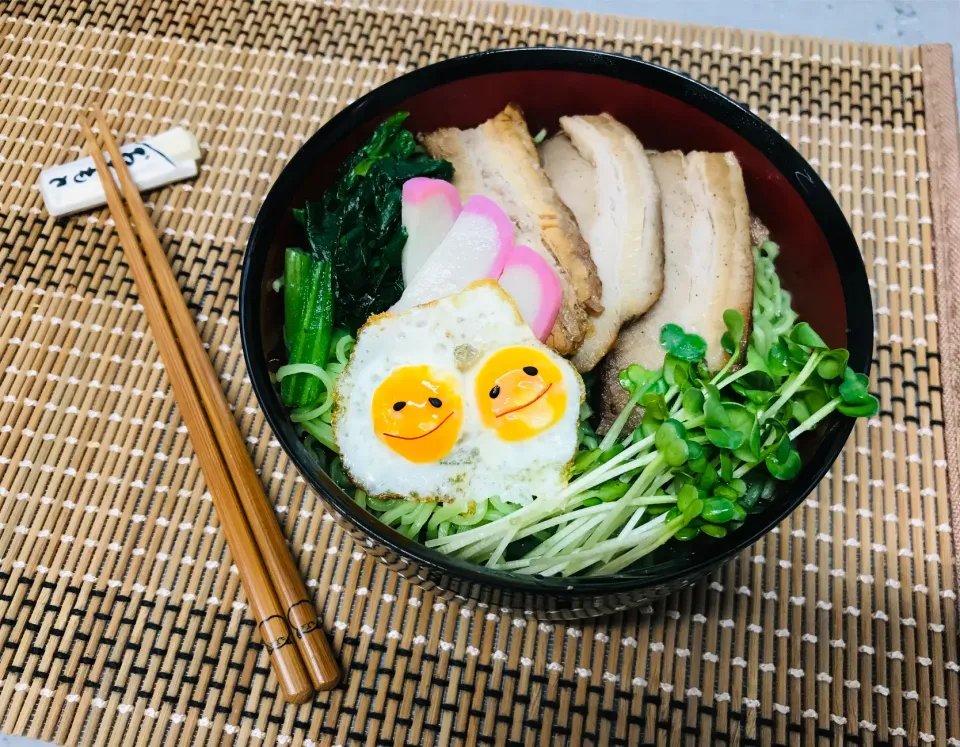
(520, 393)
(417, 412)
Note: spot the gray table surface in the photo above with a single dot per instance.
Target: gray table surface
(906, 22)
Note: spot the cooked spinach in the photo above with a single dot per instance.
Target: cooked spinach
(356, 225)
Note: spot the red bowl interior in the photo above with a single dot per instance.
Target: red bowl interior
(660, 122)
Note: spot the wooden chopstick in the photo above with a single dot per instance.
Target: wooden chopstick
(287, 582)
(272, 624)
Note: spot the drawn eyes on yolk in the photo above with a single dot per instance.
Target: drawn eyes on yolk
(528, 370)
(435, 401)
(520, 393)
(417, 412)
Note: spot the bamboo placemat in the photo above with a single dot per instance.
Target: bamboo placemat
(121, 621)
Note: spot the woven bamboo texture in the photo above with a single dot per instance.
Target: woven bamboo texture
(121, 617)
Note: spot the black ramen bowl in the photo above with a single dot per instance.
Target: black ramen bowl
(819, 262)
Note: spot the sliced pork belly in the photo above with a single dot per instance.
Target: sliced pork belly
(708, 264)
(601, 172)
(498, 159)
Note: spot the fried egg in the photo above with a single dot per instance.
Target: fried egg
(398, 415)
(457, 400)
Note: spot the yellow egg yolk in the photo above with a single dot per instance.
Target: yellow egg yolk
(417, 412)
(520, 393)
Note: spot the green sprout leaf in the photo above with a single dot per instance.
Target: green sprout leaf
(803, 334)
(725, 491)
(585, 460)
(726, 467)
(755, 396)
(865, 410)
(732, 338)
(676, 371)
(655, 405)
(776, 434)
(749, 451)
(714, 530)
(685, 534)
(637, 377)
(713, 410)
(721, 430)
(758, 364)
(612, 490)
(693, 401)
(797, 356)
(685, 498)
(751, 497)
(855, 387)
(815, 399)
(649, 425)
(671, 430)
(692, 514)
(607, 455)
(725, 438)
(696, 458)
(676, 453)
(674, 340)
(857, 402)
(744, 422)
(718, 510)
(710, 478)
(778, 359)
(784, 463)
(797, 410)
(739, 417)
(833, 363)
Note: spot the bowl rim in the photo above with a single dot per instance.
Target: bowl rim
(774, 147)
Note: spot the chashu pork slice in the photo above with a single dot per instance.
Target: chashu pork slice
(708, 265)
(498, 159)
(601, 172)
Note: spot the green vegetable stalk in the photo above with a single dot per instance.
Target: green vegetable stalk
(296, 268)
(308, 309)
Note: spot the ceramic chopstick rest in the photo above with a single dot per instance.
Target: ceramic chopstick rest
(162, 159)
